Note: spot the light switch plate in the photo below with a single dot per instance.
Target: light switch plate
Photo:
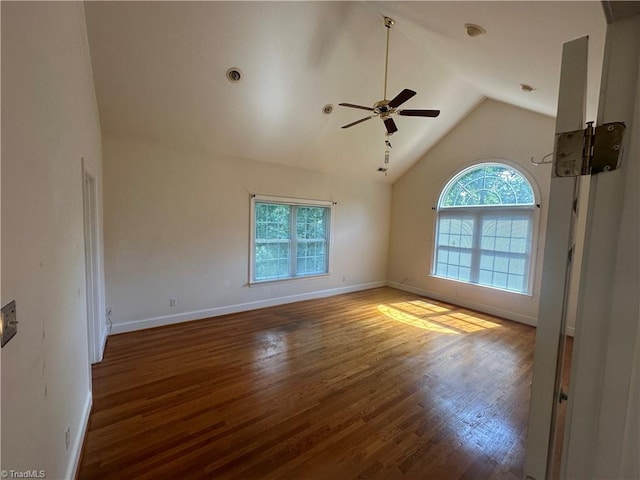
(9, 326)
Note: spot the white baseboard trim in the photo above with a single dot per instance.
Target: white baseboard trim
(78, 440)
(480, 307)
(241, 307)
(570, 331)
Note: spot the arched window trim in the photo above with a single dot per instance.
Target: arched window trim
(533, 207)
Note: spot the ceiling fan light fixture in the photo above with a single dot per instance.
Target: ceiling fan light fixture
(234, 74)
(327, 109)
(474, 30)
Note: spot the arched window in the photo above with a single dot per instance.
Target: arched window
(484, 231)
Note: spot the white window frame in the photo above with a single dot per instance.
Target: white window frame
(535, 220)
(293, 202)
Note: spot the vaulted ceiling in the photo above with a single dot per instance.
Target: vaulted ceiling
(160, 73)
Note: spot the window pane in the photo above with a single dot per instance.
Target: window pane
(486, 262)
(505, 241)
(517, 266)
(515, 282)
(488, 243)
(502, 244)
(273, 221)
(501, 264)
(310, 222)
(311, 258)
(455, 241)
(518, 245)
(311, 237)
(486, 277)
(272, 260)
(499, 280)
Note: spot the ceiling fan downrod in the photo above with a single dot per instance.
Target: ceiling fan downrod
(388, 22)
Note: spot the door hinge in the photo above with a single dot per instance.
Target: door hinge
(562, 396)
(588, 151)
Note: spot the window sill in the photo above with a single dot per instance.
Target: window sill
(482, 287)
(261, 283)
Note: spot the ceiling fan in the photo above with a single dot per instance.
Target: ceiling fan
(385, 108)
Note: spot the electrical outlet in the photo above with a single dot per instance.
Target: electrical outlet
(173, 302)
(109, 311)
(67, 438)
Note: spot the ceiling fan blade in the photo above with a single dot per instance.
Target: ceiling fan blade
(391, 125)
(351, 105)
(419, 113)
(358, 121)
(402, 97)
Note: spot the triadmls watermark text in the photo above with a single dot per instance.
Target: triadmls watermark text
(23, 474)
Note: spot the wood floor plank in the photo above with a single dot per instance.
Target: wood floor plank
(373, 384)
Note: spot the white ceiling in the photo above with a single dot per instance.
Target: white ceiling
(159, 71)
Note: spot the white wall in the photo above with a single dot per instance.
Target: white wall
(177, 226)
(494, 131)
(49, 121)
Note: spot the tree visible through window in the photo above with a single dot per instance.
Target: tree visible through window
(485, 228)
(290, 240)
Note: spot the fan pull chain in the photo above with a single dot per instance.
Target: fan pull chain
(387, 153)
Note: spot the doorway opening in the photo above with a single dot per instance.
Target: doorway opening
(90, 213)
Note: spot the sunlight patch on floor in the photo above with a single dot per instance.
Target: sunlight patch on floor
(459, 324)
(420, 308)
(431, 307)
(409, 319)
(430, 316)
(475, 319)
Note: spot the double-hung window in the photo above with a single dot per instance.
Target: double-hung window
(290, 238)
(485, 224)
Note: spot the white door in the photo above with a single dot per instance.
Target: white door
(550, 333)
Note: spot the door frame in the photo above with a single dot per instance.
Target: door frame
(603, 392)
(95, 334)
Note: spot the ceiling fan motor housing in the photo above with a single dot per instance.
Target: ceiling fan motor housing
(381, 107)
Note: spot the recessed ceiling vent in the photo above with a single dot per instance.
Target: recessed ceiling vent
(234, 75)
(327, 109)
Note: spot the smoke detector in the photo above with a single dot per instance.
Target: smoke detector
(474, 30)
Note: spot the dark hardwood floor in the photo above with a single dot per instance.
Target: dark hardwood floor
(378, 384)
